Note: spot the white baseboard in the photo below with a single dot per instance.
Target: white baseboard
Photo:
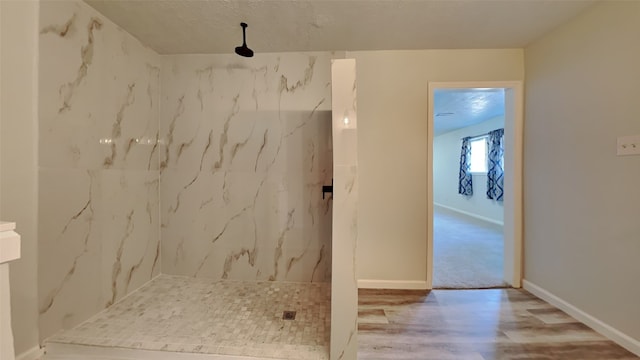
(34, 353)
(476, 216)
(598, 325)
(392, 284)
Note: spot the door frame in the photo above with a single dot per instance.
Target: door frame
(513, 207)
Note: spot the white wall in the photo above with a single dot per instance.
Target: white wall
(392, 151)
(446, 167)
(582, 202)
(18, 147)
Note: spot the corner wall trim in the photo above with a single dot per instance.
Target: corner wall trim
(34, 353)
(598, 325)
(392, 284)
(492, 221)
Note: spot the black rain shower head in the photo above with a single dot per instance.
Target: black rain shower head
(244, 50)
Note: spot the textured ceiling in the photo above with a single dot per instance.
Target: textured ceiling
(457, 108)
(212, 26)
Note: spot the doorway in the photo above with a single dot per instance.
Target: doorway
(468, 244)
(508, 211)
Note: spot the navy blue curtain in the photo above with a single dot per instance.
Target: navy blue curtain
(465, 182)
(495, 174)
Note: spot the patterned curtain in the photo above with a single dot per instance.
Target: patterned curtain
(465, 183)
(495, 174)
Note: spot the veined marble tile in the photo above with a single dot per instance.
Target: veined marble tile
(99, 240)
(99, 92)
(131, 240)
(344, 288)
(99, 164)
(264, 222)
(69, 247)
(344, 113)
(245, 150)
(217, 106)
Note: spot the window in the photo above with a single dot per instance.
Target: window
(479, 155)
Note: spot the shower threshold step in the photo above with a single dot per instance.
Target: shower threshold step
(57, 351)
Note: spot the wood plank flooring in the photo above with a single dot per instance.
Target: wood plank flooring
(475, 325)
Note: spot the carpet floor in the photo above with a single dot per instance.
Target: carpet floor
(468, 253)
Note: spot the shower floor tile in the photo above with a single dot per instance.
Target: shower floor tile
(192, 315)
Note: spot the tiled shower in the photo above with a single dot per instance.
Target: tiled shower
(203, 166)
(246, 150)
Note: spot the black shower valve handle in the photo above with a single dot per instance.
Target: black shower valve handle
(327, 189)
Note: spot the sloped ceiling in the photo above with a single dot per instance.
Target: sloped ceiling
(212, 26)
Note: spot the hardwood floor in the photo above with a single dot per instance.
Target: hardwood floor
(474, 325)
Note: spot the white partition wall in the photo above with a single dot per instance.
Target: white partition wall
(344, 289)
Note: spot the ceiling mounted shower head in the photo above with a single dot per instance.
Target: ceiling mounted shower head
(244, 50)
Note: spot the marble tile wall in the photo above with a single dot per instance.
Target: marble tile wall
(344, 285)
(245, 149)
(98, 164)
(218, 176)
